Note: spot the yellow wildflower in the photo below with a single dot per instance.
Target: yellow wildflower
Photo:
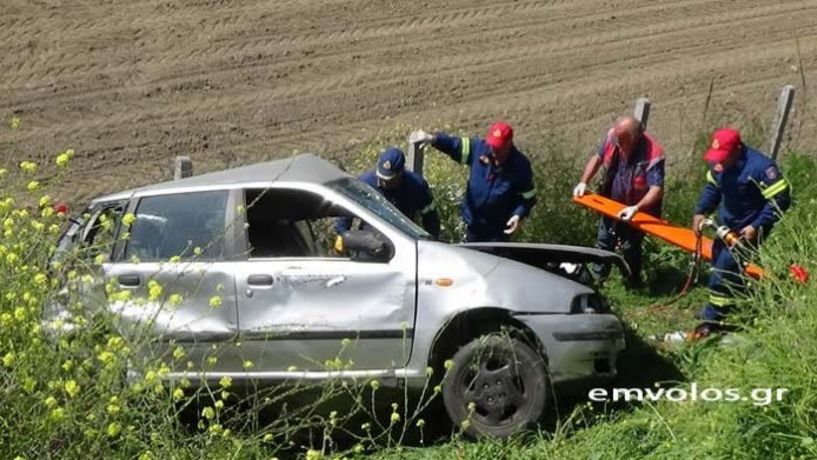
(248, 365)
(15, 123)
(33, 185)
(28, 166)
(208, 413)
(58, 413)
(175, 299)
(215, 301)
(128, 219)
(178, 394)
(225, 382)
(72, 388)
(8, 359)
(154, 290)
(114, 429)
(63, 159)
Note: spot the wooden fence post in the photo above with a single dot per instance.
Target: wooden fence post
(781, 117)
(414, 157)
(183, 167)
(642, 110)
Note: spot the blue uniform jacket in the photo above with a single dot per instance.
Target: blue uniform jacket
(412, 197)
(750, 192)
(493, 193)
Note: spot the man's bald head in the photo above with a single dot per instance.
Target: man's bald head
(627, 131)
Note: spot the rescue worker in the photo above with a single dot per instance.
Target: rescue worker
(407, 191)
(751, 194)
(500, 192)
(634, 176)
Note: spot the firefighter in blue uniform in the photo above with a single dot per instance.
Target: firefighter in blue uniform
(751, 194)
(406, 190)
(500, 192)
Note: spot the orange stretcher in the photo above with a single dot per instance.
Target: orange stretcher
(682, 237)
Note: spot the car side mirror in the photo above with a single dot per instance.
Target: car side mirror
(365, 245)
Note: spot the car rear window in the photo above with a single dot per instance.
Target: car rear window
(186, 225)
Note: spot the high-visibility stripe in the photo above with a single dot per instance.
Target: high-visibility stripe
(772, 190)
(529, 194)
(720, 301)
(428, 208)
(465, 158)
(710, 178)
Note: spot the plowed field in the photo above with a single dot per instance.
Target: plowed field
(131, 84)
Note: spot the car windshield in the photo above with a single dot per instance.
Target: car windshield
(369, 198)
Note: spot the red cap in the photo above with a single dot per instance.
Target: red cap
(725, 142)
(499, 135)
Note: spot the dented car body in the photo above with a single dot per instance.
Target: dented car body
(246, 259)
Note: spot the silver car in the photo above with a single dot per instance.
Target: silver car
(248, 259)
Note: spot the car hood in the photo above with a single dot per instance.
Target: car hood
(473, 279)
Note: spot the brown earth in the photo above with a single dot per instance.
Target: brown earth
(130, 84)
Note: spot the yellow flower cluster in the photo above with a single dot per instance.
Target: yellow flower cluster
(28, 167)
(154, 290)
(64, 158)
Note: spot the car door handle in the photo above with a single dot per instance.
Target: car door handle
(129, 280)
(260, 280)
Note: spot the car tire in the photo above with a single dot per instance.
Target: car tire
(498, 386)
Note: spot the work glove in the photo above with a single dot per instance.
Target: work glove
(580, 190)
(420, 136)
(512, 225)
(627, 213)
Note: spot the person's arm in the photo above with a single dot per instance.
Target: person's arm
(707, 202)
(458, 148)
(526, 194)
(590, 169)
(777, 195)
(655, 180)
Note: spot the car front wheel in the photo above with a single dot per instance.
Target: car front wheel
(498, 386)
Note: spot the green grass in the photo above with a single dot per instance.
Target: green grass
(66, 399)
(777, 349)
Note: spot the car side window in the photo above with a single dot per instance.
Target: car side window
(184, 225)
(289, 223)
(97, 236)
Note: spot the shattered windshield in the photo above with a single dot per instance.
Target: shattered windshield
(369, 198)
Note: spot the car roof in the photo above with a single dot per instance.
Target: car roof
(305, 167)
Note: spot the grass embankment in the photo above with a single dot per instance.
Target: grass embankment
(66, 398)
(776, 349)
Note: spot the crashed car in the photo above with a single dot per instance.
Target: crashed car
(252, 254)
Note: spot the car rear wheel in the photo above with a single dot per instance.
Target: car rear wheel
(499, 385)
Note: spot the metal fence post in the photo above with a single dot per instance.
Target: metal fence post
(781, 117)
(183, 167)
(642, 110)
(415, 157)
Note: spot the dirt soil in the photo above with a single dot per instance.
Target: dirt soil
(129, 84)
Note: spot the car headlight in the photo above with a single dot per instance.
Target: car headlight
(589, 303)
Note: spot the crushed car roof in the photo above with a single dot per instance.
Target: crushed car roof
(301, 168)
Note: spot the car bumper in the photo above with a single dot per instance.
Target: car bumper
(578, 346)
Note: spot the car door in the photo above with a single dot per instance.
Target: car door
(181, 288)
(298, 300)
(83, 251)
